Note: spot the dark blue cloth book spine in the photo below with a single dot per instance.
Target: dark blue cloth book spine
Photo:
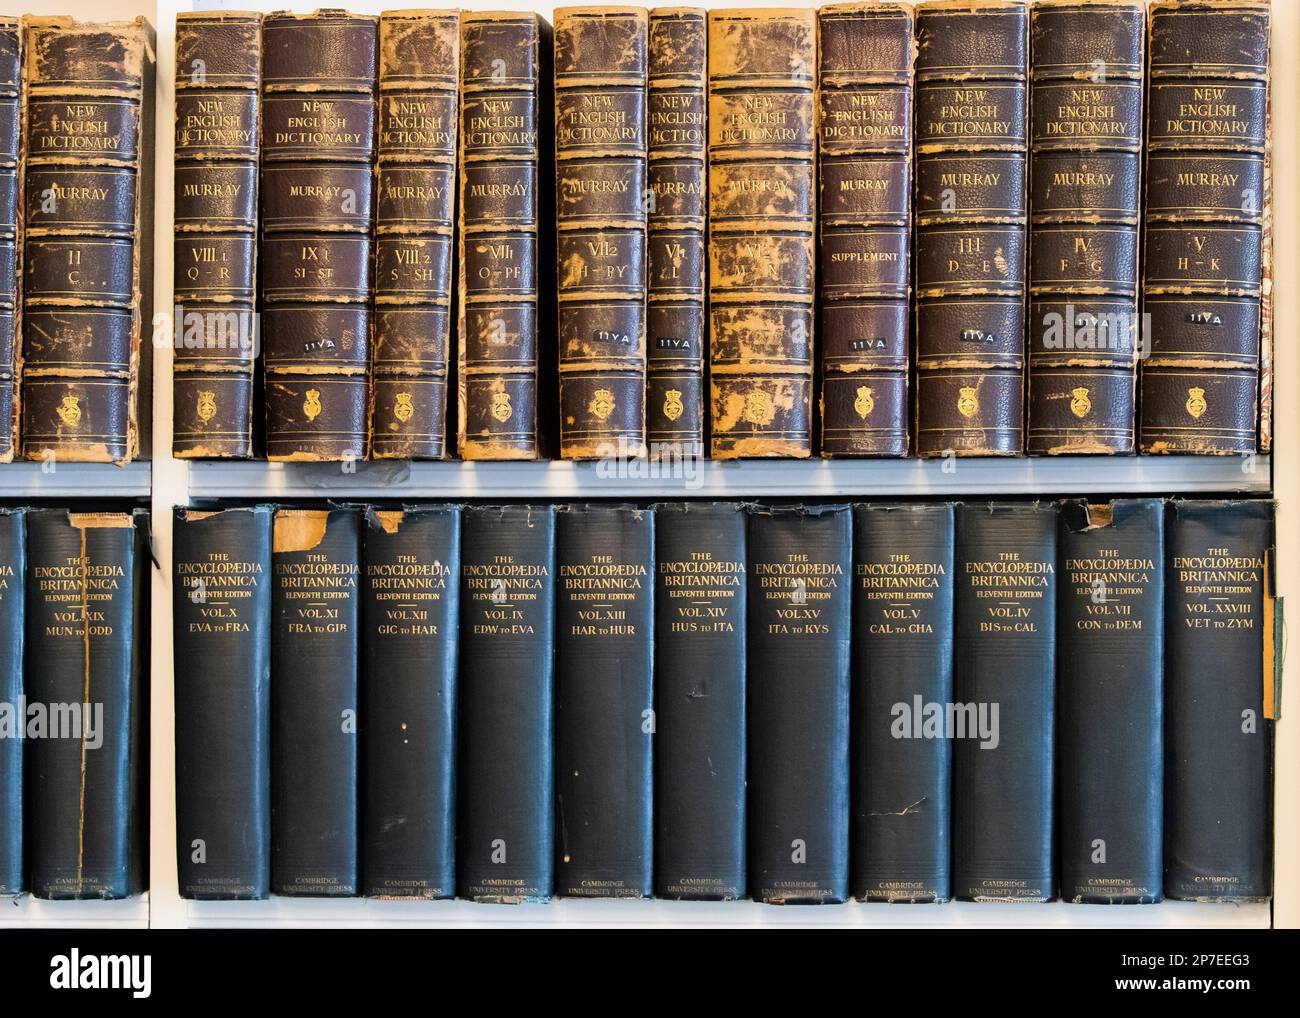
(700, 592)
(410, 626)
(1110, 746)
(1004, 685)
(315, 617)
(13, 566)
(902, 681)
(221, 603)
(506, 832)
(798, 673)
(1218, 842)
(604, 695)
(84, 811)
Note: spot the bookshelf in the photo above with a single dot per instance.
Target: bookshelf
(167, 482)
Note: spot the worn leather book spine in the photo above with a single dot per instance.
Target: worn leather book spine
(1218, 785)
(218, 135)
(798, 676)
(902, 673)
(89, 92)
(13, 576)
(865, 99)
(1087, 67)
(675, 296)
(506, 180)
(221, 603)
(1207, 132)
(700, 594)
(604, 701)
(318, 146)
(1110, 681)
(1004, 692)
(10, 179)
(600, 152)
(86, 638)
(506, 825)
(315, 609)
(971, 222)
(419, 74)
(410, 629)
(762, 210)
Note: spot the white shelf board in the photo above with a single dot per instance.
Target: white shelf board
(75, 480)
(24, 910)
(1156, 475)
(359, 913)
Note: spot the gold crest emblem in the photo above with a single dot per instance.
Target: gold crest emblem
(403, 407)
(206, 406)
(673, 404)
(968, 404)
(865, 402)
(759, 408)
(601, 405)
(69, 412)
(501, 408)
(311, 405)
(1080, 404)
(1196, 405)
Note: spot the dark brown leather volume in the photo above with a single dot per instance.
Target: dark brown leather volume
(419, 73)
(971, 221)
(318, 144)
(505, 180)
(88, 90)
(865, 94)
(675, 297)
(600, 153)
(218, 75)
(1206, 137)
(1086, 61)
(10, 78)
(762, 207)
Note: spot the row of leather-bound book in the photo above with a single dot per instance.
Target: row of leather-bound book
(798, 704)
(984, 228)
(675, 230)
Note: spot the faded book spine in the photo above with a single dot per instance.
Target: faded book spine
(1110, 744)
(218, 135)
(865, 99)
(1218, 830)
(506, 825)
(600, 152)
(971, 223)
(700, 595)
(85, 645)
(1087, 68)
(315, 608)
(1004, 675)
(10, 179)
(318, 145)
(89, 89)
(604, 702)
(409, 643)
(800, 567)
(902, 674)
(505, 199)
(221, 602)
(675, 296)
(762, 210)
(419, 73)
(13, 576)
(1207, 130)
